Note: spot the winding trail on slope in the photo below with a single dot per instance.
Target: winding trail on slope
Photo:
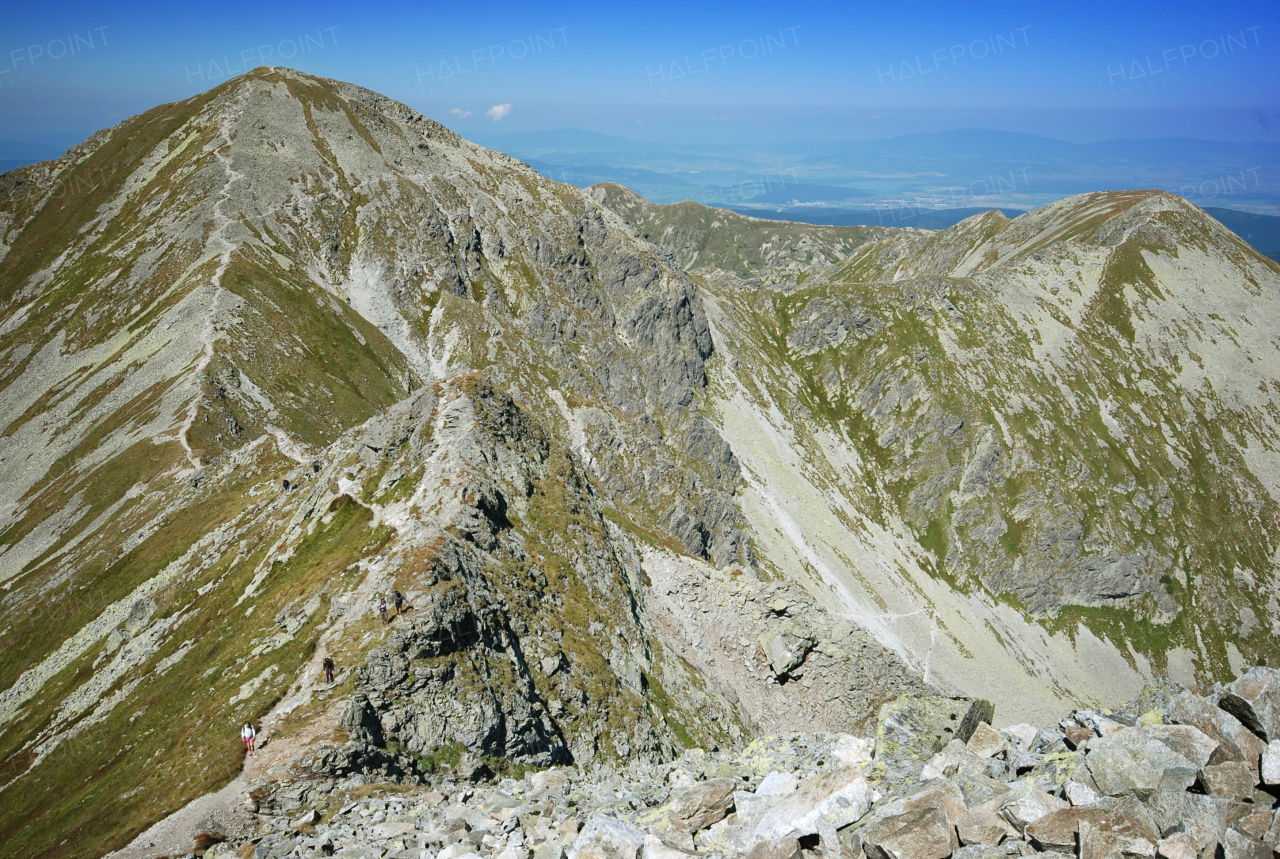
(209, 333)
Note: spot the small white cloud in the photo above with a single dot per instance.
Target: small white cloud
(460, 113)
(498, 111)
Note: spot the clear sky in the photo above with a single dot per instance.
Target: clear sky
(677, 71)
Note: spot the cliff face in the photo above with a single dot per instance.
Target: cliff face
(284, 348)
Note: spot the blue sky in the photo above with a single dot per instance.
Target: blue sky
(752, 72)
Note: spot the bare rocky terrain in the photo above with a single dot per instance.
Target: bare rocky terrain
(651, 480)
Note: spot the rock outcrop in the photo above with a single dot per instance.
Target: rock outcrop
(1100, 783)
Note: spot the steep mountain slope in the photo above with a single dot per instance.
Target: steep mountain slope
(1037, 456)
(281, 348)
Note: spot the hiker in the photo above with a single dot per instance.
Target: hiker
(382, 608)
(327, 664)
(250, 736)
(398, 599)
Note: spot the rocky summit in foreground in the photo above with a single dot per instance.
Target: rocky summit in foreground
(1171, 775)
(648, 478)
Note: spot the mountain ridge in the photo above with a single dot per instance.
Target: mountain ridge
(650, 477)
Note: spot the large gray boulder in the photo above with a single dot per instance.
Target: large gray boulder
(1235, 741)
(1135, 761)
(1026, 804)
(1254, 699)
(834, 799)
(1060, 830)
(923, 833)
(605, 837)
(1204, 818)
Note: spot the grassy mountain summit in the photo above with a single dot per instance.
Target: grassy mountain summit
(649, 477)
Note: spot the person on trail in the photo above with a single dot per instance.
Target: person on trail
(327, 664)
(398, 599)
(249, 736)
(382, 608)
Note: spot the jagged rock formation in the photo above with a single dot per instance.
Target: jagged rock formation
(285, 348)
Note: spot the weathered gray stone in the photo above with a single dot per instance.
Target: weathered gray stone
(1059, 831)
(606, 837)
(1133, 761)
(1079, 794)
(1237, 845)
(1254, 699)
(1026, 804)
(1179, 845)
(920, 834)
(1205, 818)
(1186, 740)
(785, 848)
(837, 798)
(986, 741)
(1235, 741)
(983, 826)
(1270, 770)
(1230, 780)
(700, 805)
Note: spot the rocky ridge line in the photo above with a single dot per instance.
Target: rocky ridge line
(1170, 774)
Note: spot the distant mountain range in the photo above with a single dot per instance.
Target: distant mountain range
(966, 169)
(1261, 231)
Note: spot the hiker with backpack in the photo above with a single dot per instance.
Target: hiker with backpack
(327, 664)
(250, 736)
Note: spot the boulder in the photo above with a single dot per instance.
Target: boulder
(549, 778)
(1204, 818)
(1134, 761)
(981, 712)
(1026, 804)
(1270, 770)
(986, 741)
(983, 826)
(837, 798)
(850, 751)
(1076, 736)
(977, 788)
(1251, 819)
(1059, 831)
(1021, 737)
(700, 805)
(912, 729)
(1079, 794)
(1188, 741)
(606, 837)
(956, 759)
(920, 834)
(654, 848)
(1254, 699)
(1098, 843)
(1235, 741)
(309, 818)
(1237, 845)
(786, 848)
(361, 722)
(1230, 780)
(1180, 845)
(785, 651)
